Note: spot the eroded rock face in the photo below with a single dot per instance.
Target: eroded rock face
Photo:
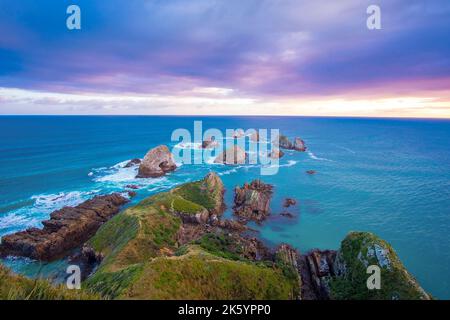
(67, 228)
(252, 201)
(233, 155)
(299, 144)
(317, 271)
(156, 163)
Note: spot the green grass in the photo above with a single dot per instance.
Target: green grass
(15, 287)
(201, 275)
(194, 192)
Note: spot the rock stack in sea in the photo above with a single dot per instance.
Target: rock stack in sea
(252, 201)
(156, 163)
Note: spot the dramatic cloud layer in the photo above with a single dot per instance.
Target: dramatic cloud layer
(216, 56)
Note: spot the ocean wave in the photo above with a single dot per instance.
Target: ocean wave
(43, 205)
(314, 157)
(116, 173)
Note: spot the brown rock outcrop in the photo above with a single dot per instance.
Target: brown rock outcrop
(156, 163)
(67, 228)
(252, 201)
(316, 270)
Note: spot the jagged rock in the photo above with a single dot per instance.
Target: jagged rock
(233, 155)
(299, 144)
(317, 271)
(200, 217)
(210, 143)
(252, 201)
(133, 163)
(214, 187)
(276, 154)
(157, 162)
(228, 224)
(311, 172)
(358, 251)
(289, 202)
(255, 249)
(67, 229)
(285, 143)
(132, 194)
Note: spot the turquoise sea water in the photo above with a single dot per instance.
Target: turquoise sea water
(390, 177)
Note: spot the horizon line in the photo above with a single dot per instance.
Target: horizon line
(226, 115)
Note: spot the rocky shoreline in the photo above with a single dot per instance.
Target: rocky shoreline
(184, 227)
(67, 229)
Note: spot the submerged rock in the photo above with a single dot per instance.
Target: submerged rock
(132, 186)
(252, 201)
(287, 214)
(156, 163)
(311, 172)
(233, 155)
(68, 228)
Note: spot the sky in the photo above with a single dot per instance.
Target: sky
(233, 57)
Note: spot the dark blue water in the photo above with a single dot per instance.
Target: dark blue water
(390, 177)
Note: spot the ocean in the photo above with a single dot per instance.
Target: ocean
(387, 176)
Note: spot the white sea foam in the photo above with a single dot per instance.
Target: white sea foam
(313, 156)
(44, 204)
